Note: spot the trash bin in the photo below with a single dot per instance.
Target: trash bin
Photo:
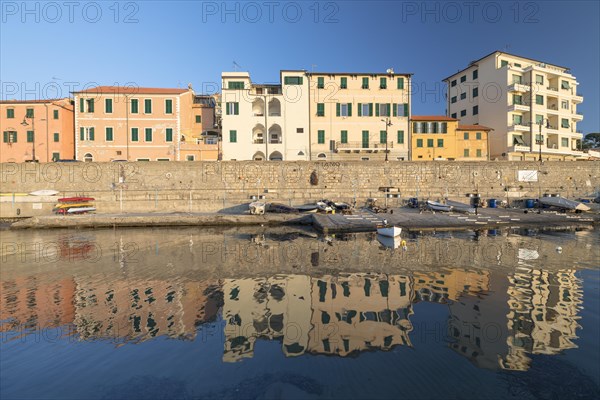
(529, 203)
(492, 203)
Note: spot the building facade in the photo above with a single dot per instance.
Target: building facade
(265, 121)
(436, 137)
(359, 116)
(142, 124)
(36, 130)
(531, 105)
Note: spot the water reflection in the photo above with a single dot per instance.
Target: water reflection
(337, 297)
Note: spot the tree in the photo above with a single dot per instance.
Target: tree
(591, 141)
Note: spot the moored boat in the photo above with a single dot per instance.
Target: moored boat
(561, 202)
(460, 207)
(257, 207)
(436, 206)
(76, 199)
(389, 231)
(44, 192)
(80, 210)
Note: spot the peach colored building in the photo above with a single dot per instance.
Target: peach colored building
(40, 130)
(142, 124)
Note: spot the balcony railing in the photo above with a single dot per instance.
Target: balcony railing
(363, 146)
(553, 107)
(554, 89)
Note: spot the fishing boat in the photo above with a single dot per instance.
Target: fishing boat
(561, 202)
(389, 231)
(460, 207)
(76, 199)
(80, 210)
(434, 205)
(258, 207)
(44, 192)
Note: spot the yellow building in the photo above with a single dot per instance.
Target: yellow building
(436, 137)
(351, 113)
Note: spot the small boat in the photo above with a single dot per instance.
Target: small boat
(281, 208)
(389, 242)
(561, 202)
(44, 192)
(81, 210)
(258, 207)
(460, 207)
(389, 231)
(434, 205)
(76, 199)
(322, 206)
(307, 208)
(73, 205)
(342, 206)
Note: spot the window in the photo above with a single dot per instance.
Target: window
(400, 139)
(198, 119)
(463, 113)
(564, 85)
(169, 135)
(143, 159)
(29, 113)
(564, 142)
(539, 139)
(90, 105)
(10, 113)
(539, 99)
(134, 106)
(517, 65)
(444, 127)
(86, 134)
(463, 95)
(564, 123)
(466, 152)
(10, 137)
(517, 79)
(235, 85)
(382, 83)
(320, 82)
(453, 115)
(344, 136)
(401, 110)
(564, 104)
(517, 119)
(362, 159)
(429, 142)
(517, 99)
(321, 137)
(365, 83)
(400, 83)
(189, 157)
(148, 134)
(440, 143)
(539, 79)
(475, 92)
(343, 83)
(453, 83)
(539, 119)
(322, 155)
(478, 152)
(109, 134)
(503, 63)
(475, 110)
(478, 135)
(320, 109)
(383, 110)
(463, 78)
(382, 137)
(343, 110)
(232, 136)
(299, 130)
(55, 156)
(365, 139)
(55, 114)
(466, 135)
(135, 134)
(163, 159)
(108, 109)
(293, 80)
(453, 99)
(147, 106)
(56, 137)
(475, 74)
(232, 108)
(419, 142)
(168, 106)
(365, 110)
(29, 136)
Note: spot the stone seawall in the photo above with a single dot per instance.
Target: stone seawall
(228, 186)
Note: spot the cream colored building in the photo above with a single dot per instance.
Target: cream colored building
(265, 121)
(515, 96)
(348, 112)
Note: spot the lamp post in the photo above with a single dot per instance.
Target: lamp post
(24, 123)
(540, 140)
(387, 124)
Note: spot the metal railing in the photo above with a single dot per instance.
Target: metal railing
(361, 145)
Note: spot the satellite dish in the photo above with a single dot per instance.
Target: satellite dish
(390, 71)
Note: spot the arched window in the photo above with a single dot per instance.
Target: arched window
(258, 156)
(322, 155)
(88, 157)
(276, 156)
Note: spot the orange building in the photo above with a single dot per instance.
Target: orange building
(36, 130)
(143, 124)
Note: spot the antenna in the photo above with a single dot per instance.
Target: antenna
(236, 66)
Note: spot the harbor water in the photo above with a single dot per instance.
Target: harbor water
(289, 313)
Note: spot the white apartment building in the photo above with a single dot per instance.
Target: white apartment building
(265, 121)
(519, 97)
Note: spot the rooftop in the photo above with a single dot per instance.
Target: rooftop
(133, 90)
(431, 118)
(31, 101)
(473, 128)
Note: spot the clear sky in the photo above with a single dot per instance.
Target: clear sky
(48, 47)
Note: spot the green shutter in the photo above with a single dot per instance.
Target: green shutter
(400, 137)
(382, 137)
(168, 106)
(109, 134)
(389, 110)
(91, 105)
(321, 137)
(5, 137)
(227, 108)
(344, 83)
(148, 134)
(91, 134)
(233, 136)
(466, 152)
(370, 109)
(365, 139)
(55, 114)
(349, 109)
(81, 133)
(344, 136)
(29, 136)
(55, 156)
(395, 110)
(429, 142)
(81, 100)
(108, 106)
(419, 142)
(134, 106)
(365, 83)
(478, 135)
(320, 82)
(198, 119)
(320, 109)
(382, 83)
(337, 109)
(10, 113)
(377, 109)
(405, 110)
(148, 106)
(236, 109)
(440, 143)
(169, 135)
(360, 109)
(400, 83)
(135, 135)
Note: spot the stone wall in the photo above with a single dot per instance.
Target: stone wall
(225, 186)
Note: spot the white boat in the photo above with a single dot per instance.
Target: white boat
(44, 192)
(322, 206)
(80, 210)
(389, 231)
(460, 207)
(258, 207)
(561, 202)
(434, 205)
(390, 242)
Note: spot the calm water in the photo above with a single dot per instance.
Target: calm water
(200, 313)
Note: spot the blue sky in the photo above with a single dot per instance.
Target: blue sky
(45, 47)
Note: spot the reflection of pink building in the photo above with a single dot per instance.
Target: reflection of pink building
(141, 124)
(45, 124)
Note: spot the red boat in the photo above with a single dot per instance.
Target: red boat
(76, 199)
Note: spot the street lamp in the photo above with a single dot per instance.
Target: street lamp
(540, 140)
(388, 123)
(24, 123)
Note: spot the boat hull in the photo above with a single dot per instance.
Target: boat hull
(434, 205)
(391, 231)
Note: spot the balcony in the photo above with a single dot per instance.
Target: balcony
(519, 148)
(518, 128)
(578, 117)
(577, 98)
(360, 146)
(518, 107)
(518, 87)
